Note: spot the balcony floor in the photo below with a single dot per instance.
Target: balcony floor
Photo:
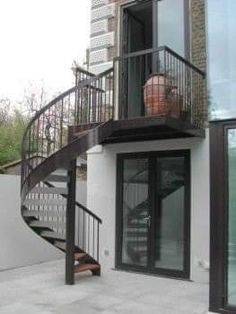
(152, 128)
(40, 289)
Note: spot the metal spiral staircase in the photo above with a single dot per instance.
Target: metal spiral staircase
(67, 127)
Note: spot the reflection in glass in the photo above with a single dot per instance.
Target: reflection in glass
(221, 58)
(171, 25)
(169, 231)
(232, 217)
(135, 212)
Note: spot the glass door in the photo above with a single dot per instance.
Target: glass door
(153, 213)
(223, 217)
(135, 213)
(171, 215)
(231, 232)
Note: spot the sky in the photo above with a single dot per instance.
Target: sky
(39, 39)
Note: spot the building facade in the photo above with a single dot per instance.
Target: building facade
(155, 114)
(203, 44)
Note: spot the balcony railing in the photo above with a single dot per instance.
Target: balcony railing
(159, 82)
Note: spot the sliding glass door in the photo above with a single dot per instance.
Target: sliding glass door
(223, 217)
(170, 213)
(231, 221)
(153, 213)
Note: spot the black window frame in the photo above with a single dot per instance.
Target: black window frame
(125, 6)
(185, 274)
(219, 216)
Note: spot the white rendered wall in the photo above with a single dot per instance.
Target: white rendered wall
(101, 196)
(19, 245)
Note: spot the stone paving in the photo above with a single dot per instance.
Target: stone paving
(40, 289)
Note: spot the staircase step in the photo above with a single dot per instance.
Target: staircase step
(29, 213)
(52, 235)
(46, 213)
(49, 190)
(80, 256)
(85, 267)
(60, 245)
(57, 178)
(47, 224)
(47, 202)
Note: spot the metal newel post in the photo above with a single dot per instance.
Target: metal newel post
(70, 224)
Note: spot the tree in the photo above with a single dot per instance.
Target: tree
(35, 98)
(4, 109)
(11, 132)
(15, 117)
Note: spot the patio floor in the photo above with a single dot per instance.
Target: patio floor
(40, 289)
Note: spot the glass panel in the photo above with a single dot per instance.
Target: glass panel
(232, 217)
(169, 227)
(135, 212)
(221, 58)
(171, 25)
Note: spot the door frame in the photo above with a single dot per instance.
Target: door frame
(219, 216)
(123, 36)
(187, 39)
(152, 156)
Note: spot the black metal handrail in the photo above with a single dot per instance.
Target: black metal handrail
(160, 76)
(47, 146)
(159, 49)
(47, 132)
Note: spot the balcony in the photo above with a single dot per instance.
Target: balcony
(150, 94)
(158, 94)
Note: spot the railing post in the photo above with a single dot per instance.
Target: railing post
(70, 224)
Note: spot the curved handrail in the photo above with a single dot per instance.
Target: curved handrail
(82, 84)
(47, 132)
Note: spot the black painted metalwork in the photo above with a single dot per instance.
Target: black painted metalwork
(49, 155)
(154, 209)
(77, 120)
(219, 216)
(184, 83)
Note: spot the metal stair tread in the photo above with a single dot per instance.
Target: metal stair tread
(49, 190)
(85, 267)
(29, 213)
(57, 178)
(40, 224)
(47, 224)
(79, 256)
(42, 213)
(45, 201)
(52, 235)
(60, 245)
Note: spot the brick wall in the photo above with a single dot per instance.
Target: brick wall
(198, 36)
(197, 31)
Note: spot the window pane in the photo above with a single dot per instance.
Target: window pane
(171, 25)
(221, 58)
(135, 212)
(232, 217)
(169, 226)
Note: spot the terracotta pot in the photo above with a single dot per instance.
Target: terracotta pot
(160, 97)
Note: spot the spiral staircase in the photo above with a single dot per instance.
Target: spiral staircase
(64, 129)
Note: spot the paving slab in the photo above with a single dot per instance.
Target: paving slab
(40, 289)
